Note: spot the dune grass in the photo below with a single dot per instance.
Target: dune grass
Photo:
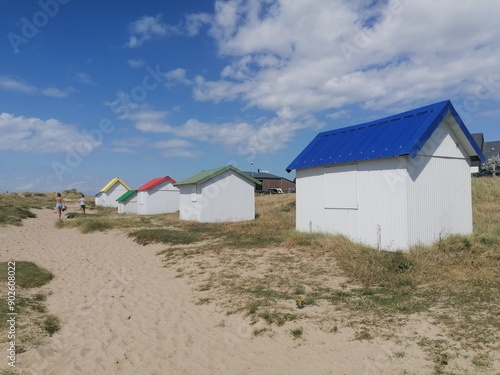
(33, 322)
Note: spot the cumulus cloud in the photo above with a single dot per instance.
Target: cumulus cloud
(42, 136)
(147, 28)
(327, 54)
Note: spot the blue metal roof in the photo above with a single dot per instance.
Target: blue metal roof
(402, 134)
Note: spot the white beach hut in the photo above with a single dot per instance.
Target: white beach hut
(108, 195)
(392, 183)
(127, 203)
(223, 194)
(158, 196)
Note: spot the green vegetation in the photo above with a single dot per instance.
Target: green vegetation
(11, 214)
(297, 332)
(51, 324)
(167, 236)
(29, 303)
(28, 274)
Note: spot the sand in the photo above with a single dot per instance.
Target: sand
(123, 312)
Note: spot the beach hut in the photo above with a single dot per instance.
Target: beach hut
(392, 183)
(158, 196)
(113, 190)
(222, 194)
(127, 203)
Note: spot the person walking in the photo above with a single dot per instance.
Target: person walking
(59, 204)
(82, 203)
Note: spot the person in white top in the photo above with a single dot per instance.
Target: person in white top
(82, 203)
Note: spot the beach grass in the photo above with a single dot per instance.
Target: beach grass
(29, 303)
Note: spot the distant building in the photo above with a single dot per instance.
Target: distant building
(476, 164)
(222, 194)
(491, 149)
(392, 183)
(271, 181)
(113, 190)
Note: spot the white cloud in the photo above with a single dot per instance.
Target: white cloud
(243, 138)
(85, 78)
(150, 121)
(139, 63)
(194, 22)
(326, 54)
(177, 76)
(11, 84)
(54, 92)
(343, 113)
(42, 136)
(147, 28)
(177, 147)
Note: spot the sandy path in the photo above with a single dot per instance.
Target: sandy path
(123, 313)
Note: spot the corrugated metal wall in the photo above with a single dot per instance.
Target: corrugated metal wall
(439, 195)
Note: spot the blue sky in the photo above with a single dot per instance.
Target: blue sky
(92, 90)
